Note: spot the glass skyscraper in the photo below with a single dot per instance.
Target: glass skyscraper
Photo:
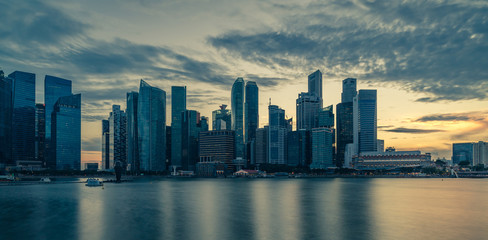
(118, 134)
(344, 112)
(54, 88)
(23, 116)
(251, 115)
(189, 138)
(66, 132)
(132, 136)
(315, 85)
(5, 120)
(365, 123)
(151, 121)
(221, 119)
(105, 145)
(237, 108)
(307, 107)
(299, 148)
(322, 148)
(277, 135)
(178, 105)
(462, 152)
(40, 132)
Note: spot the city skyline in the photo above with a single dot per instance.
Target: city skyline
(427, 99)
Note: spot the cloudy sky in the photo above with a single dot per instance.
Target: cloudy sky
(428, 59)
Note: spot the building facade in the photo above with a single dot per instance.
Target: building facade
(365, 121)
(221, 119)
(322, 149)
(390, 160)
(105, 145)
(5, 121)
(237, 108)
(66, 132)
(178, 105)
(131, 132)
(216, 146)
(151, 121)
(40, 133)
(307, 107)
(315, 85)
(277, 135)
(118, 137)
(262, 135)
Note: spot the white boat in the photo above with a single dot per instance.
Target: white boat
(45, 180)
(92, 182)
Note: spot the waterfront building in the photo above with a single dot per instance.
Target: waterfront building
(391, 159)
(251, 115)
(23, 116)
(5, 121)
(307, 107)
(189, 138)
(315, 85)
(212, 169)
(54, 88)
(105, 145)
(118, 137)
(66, 132)
(462, 152)
(299, 148)
(221, 119)
(480, 153)
(40, 133)
(216, 146)
(349, 154)
(151, 121)
(364, 121)
(380, 146)
(237, 116)
(322, 148)
(262, 135)
(277, 135)
(132, 137)
(178, 105)
(168, 146)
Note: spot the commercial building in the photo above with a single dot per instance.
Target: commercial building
(262, 135)
(151, 124)
(105, 145)
(315, 85)
(480, 153)
(66, 132)
(178, 105)
(251, 116)
(344, 111)
(216, 146)
(221, 119)
(391, 159)
(278, 128)
(299, 148)
(307, 108)
(5, 121)
(118, 137)
(40, 133)
(132, 136)
(365, 121)
(462, 152)
(237, 108)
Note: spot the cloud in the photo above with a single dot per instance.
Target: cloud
(412, 130)
(433, 48)
(468, 116)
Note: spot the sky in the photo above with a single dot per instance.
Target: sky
(427, 59)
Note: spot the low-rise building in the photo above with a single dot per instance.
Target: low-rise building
(390, 159)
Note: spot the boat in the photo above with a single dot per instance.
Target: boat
(93, 182)
(45, 180)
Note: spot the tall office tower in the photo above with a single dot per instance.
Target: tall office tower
(178, 105)
(348, 90)
(105, 145)
(364, 121)
(5, 120)
(462, 152)
(480, 153)
(189, 139)
(237, 108)
(118, 137)
(131, 132)
(151, 127)
(54, 88)
(202, 124)
(344, 111)
(299, 148)
(323, 139)
(168, 146)
(66, 132)
(40, 132)
(262, 135)
(251, 114)
(221, 119)
(322, 150)
(23, 116)
(315, 85)
(308, 105)
(277, 135)
(216, 146)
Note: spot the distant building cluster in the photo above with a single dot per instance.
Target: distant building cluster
(39, 136)
(472, 153)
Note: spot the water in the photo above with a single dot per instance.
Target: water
(249, 209)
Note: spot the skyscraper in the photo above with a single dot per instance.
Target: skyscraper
(54, 88)
(364, 121)
(216, 146)
(118, 134)
(480, 153)
(189, 138)
(23, 116)
(262, 135)
(322, 150)
(308, 105)
(277, 135)
(344, 110)
(178, 105)
(315, 85)
(5, 120)
(462, 152)
(299, 148)
(251, 115)
(40, 132)
(66, 132)
(105, 145)
(221, 119)
(237, 108)
(151, 121)
(132, 135)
